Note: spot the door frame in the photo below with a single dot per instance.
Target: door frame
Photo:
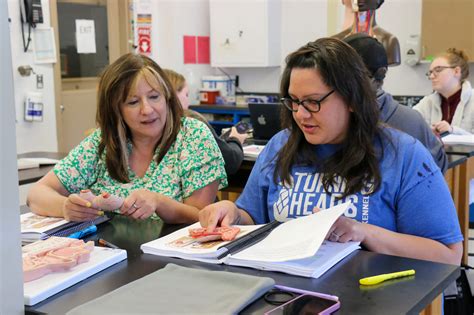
(119, 32)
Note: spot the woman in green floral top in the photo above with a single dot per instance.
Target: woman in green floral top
(145, 151)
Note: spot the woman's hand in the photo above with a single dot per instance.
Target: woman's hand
(76, 208)
(223, 213)
(441, 126)
(345, 230)
(239, 136)
(141, 204)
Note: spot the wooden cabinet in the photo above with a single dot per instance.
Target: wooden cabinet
(245, 33)
(446, 24)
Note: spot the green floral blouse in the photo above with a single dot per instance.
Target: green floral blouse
(192, 162)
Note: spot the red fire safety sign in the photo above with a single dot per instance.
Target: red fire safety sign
(144, 40)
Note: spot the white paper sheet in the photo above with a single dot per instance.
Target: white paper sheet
(44, 45)
(296, 239)
(459, 139)
(85, 36)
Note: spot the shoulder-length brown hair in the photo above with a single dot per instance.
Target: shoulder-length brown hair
(116, 83)
(341, 69)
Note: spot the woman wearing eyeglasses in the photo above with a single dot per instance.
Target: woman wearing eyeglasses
(334, 150)
(451, 107)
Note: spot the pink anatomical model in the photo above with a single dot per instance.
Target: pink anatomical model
(224, 233)
(53, 255)
(104, 201)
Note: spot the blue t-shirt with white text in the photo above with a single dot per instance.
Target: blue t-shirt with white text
(413, 197)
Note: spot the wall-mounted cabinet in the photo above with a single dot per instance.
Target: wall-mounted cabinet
(446, 24)
(245, 33)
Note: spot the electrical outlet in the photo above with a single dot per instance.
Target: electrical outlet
(39, 81)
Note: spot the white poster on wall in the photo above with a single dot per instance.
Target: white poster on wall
(143, 6)
(44, 47)
(85, 37)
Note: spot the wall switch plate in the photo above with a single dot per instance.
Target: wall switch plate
(39, 81)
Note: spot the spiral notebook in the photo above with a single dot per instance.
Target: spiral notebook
(267, 247)
(36, 227)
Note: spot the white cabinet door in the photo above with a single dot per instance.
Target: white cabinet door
(245, 33)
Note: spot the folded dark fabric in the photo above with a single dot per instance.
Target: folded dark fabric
(179, 290)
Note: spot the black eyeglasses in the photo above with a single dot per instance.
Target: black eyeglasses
(437, 70)
(312, 106)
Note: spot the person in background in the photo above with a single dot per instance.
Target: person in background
(231, 147)
(451, 107)
(144, 150)
(335, 150)
(392, 113)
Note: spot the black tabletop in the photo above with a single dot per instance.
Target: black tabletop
(406, 295)
(467, 150)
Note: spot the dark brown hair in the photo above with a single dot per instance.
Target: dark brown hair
(116, 83)
(341, 69)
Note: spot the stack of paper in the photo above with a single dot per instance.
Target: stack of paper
(459, 139)
(251, 152)
(328, 254)
(24, 163)
(35, 227)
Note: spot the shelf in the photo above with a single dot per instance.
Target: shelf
(221, 122)
(228, 111)
(221, 109)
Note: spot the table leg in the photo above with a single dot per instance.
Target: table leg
(457, 179)
(435, 308)
(462, 174)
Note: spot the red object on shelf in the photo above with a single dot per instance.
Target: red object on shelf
(208, 96)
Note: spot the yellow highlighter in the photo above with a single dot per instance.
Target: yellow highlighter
(387, 276)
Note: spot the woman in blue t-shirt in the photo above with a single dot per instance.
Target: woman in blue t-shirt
(334, 150)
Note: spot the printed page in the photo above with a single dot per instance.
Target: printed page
(33, 223)
(180, 244)
(294, 239)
